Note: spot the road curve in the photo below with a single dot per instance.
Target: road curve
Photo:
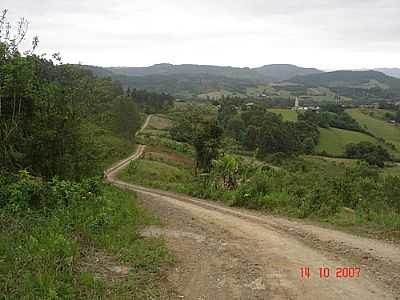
(280, 249)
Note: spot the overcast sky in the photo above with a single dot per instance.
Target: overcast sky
(327, 34)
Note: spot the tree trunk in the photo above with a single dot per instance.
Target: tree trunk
(19, 106)
(14, 100)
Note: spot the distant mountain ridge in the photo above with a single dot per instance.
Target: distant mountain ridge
(190, 80)
(197, 79)
(356, 79)
(267, 73)
(394, 72)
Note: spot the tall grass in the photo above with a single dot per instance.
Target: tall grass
(54, 238)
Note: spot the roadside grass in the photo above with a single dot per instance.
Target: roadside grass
(327, 165)
(392, 169)
(159, 174)
(110, 147)
(60, 253)
(379, 128)
(159, 122)
(161, 138)
(284, 195)
(287, 114)
(334, 140)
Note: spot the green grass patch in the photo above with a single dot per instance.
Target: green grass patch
(334, 140)
(392, 169)
(287, 114)
(158, 174)
(65, 252)
(109, 147)
(379, 128)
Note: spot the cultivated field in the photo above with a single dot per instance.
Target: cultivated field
(379, 128)
(333, 140)
(287, 114)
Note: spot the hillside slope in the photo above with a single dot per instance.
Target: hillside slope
(267, 73)
(379, 128)
(189, 80)
(356, 79)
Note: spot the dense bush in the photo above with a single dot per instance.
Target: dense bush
(308, 193)
(23, 191)
(373, 154)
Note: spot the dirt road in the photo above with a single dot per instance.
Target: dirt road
(227, 253)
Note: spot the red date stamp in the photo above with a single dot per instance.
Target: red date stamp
(325, 272)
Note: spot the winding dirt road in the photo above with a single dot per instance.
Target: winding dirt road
(228, 253)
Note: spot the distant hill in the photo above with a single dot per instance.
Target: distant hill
(196, 79)
(185, 85)
(283, 72)
(350, 79)
(394, 72)
(265, 74)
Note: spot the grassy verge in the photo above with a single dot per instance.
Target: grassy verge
(86, 248)
(160, 174)
(109, 147)
(314, 188)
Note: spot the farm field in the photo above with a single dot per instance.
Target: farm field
(379, 128)
(287, 114)
(333, 140)
(219, 94)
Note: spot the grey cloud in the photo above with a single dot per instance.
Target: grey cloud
(370, 27)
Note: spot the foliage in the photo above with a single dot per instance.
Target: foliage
(373, 154)
(53, 251)
(331, 115)
(58, 127)
(151, 102)
(333, 141)
(378, 128)
(207, 140)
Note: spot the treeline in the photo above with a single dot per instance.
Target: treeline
(331, 115)
(257, 129)
(44, 110)
(59, 127)
(253, 128)
(48, 109)
(364, 95)
(151, 102)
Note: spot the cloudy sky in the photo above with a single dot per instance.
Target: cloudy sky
(328, 34)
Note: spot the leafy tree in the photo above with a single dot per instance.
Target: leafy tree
(373, 154)
(235, 127)
(126, 117)
(250, 138)
(207, 140)
(227, 169)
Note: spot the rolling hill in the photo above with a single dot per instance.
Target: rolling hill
(192, 80)
(394, 72)
(351, 79)
(334, 140)
(267, 73)
(361, 86)
(379, 128)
